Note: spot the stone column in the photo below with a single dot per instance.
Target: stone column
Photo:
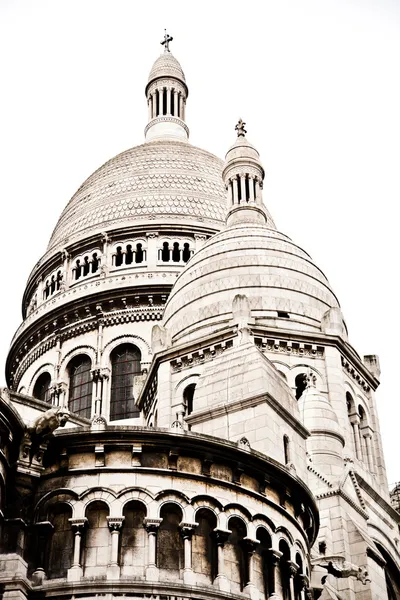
(43, 533)
(152, 249)
(169, 93)
(187, 531)
(76, 570)
(221, 581)
(355, 421)
(243, 188)
(183, 108)
(251, 189)
(150, 108)
(368, 446)
(114, 525)
(235, 183)
(66, 270)
(304, 583)
(249, 547)
(292, 569)
(275, 556)
(152, 573)
(105, 259)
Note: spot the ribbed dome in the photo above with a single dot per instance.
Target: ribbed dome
(157, 180)
(166, 65)
(284, 287)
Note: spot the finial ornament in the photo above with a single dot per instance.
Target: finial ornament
(166, 41)
(240, 128)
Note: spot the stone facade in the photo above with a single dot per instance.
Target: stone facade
(185, 416)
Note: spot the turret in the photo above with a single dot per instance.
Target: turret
(166, 93)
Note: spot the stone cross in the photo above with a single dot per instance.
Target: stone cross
(240, 128)
(167, 40)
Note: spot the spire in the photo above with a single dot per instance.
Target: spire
(243, 176)
(166, 93)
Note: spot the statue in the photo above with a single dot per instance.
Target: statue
(340, 568)
(47, 422)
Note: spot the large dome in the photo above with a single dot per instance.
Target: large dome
(284, 287)
(163, 179)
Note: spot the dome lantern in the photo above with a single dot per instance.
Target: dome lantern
(243, 177)
(166, 93)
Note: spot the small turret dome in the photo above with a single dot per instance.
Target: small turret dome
(166, 65)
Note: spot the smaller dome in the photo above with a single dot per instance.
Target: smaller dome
(166, 65)
(242, 149)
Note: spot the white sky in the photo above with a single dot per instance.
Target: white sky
(317, 83)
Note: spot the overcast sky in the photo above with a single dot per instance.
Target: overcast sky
(317, 83)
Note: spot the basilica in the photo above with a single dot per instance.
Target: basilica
(185, 417)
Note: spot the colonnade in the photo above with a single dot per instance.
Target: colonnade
(244, 188)
(166, 101)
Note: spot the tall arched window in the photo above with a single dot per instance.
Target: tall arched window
(41, 390)
(125, 365)
(204, 549)
(60, 551)
(188, 396)
(80, 386)
(234, 554)
(170, 543)
(263, 571)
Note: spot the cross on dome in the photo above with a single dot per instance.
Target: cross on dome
(166, 41)
(240, 128)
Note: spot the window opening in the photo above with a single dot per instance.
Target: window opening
(41, 390)
(95, 263)
(188, 396)
(286, 449)
(80, 386)
(176, 253)
(164, 101)
(125, 365)
(247, 186)
(77, 269)
(186, 252)
(301, 384)
(139, 255)
(173, 102)
(129, 255)
(53, 285)
(59, 279)
(165, 252)
(86, 266)
(119, 257)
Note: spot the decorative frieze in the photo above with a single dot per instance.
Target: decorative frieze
(289, 347)
(352, 371)
(199, 356)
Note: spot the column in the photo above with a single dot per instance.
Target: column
(275, 556)
(152, 573)
(235, 184)
(187, 531)
(76, 570)
(251, 189)
(368, 446)
(230, 194)
(221, 581)
(150, 107)
(65, 270)
(161, 101)
(114, 525)
(304, 583)
(183, 108)
(169, 93)
(243, 188)
(176, 103)
(249, 547)
(180, 106)
(292, 570)
(356, 427)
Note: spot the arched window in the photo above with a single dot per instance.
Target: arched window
(59, 279)
(234, 554)
(301, 384)
(77, 269)
(80, 386)
(97, 539)
(286, 449)
(170, 543)
(263, 571)
(62, 539)
(125, 365)
(284, 570)
(119, 257)
(41, 390)
(133, 540)
(139, 255)
(165, 252)
(86, 266)
(298, 585)
(95, 262)
(188, 396)
(53, 284)
(176, 253)
(186, 252)
(204, 549)
(129, 255)
(392, 575)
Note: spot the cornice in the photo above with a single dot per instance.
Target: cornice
(374, 494)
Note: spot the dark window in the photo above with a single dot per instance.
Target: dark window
(283, 315)
(80, 386)
(286, 449)
(78, 269)
(186, 252)
(95, 263)
(53, 284)
(164, 92)
(41, 391)
(301, 384)
(59, 279)
(188, 395)
(173, 102)
(125, 364)
(165, 252)
(129, 255)
(86, 266)
(119, 257)
(176, 253)
(139, 255)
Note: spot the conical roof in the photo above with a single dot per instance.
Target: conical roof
(166, 65)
